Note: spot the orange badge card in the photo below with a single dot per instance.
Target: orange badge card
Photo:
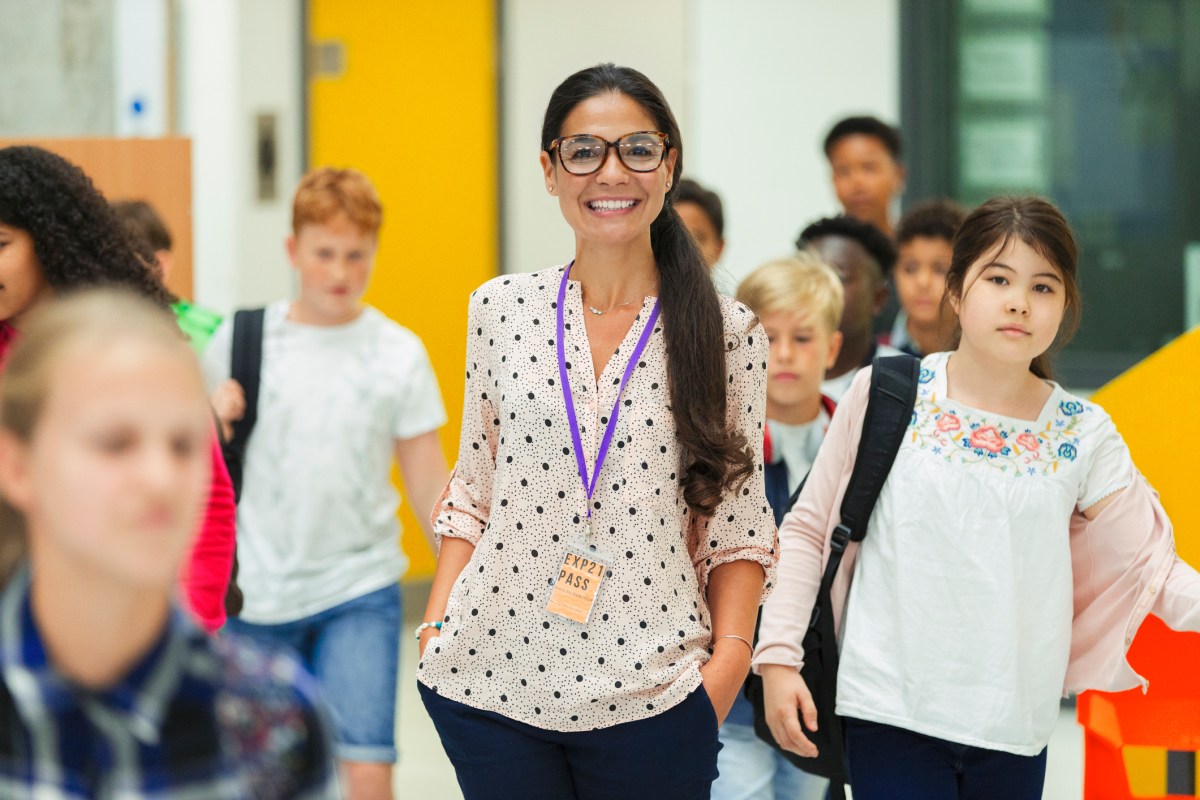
(574, 592)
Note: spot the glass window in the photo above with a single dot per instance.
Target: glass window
(1093, 103)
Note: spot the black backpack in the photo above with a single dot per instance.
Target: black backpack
(245, 367)
(889, 411)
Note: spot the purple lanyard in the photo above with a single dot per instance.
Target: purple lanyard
(572, 420)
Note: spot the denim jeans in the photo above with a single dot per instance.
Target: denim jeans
(353, 649)
(752, 770)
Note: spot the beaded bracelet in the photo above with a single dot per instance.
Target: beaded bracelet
(426, 625)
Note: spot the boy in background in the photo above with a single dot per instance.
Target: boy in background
(862, 257)
(925, 244)
(864, 158)
(343, 390)
(144, 223)
(799, 302)
(704, 217)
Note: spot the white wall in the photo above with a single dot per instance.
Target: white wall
(239, 58)
(767, 80)
(755, 86)
(140, 38)
(56, 68)
(544, 41)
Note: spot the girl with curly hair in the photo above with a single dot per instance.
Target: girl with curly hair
(58, 235)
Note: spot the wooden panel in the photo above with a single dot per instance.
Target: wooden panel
(158, 171)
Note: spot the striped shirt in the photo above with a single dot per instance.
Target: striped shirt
(195, 718)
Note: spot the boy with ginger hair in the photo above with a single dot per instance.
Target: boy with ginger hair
(342, 391)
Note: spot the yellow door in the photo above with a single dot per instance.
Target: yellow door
(406, 92)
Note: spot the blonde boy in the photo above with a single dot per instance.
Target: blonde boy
(343, 391)
(799, 302)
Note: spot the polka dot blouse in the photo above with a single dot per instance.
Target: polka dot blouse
(516, 495)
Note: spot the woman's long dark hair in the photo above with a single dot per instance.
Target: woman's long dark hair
(1038, 223)
(77, 238)
(715, 455)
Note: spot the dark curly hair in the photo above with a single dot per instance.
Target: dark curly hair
(77, 237)
(871, 238)
(933, 219)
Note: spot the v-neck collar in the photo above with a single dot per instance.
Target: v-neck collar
(575, 311)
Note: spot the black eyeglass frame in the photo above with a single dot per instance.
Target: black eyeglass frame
(664, 140)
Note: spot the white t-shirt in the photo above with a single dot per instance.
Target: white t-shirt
(834, 388)
(958, 622)
(797, 445)
(317, 517)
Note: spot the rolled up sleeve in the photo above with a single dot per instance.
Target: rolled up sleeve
(743, 527)
(465, 504)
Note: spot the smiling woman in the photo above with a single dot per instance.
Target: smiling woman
(605, 538)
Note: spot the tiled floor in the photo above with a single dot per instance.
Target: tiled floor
(424, 773)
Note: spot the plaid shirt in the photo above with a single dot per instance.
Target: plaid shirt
(196, 718)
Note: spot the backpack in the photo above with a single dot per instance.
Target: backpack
(889, 411)
(245, 367)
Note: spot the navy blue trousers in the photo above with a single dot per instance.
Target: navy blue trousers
(889, 763)
(670, 756)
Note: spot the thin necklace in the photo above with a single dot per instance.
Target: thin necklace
(599, 313)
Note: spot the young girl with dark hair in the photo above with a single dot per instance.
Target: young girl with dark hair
(59, 235)
(605, 537)
(1012, 556)
(105, 689)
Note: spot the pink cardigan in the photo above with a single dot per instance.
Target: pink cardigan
(204, 577)
(1123, 561)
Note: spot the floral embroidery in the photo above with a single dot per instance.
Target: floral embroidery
(926, 375)
(988, 439)
(948, 422)
(1019, 449)
(1070, 408)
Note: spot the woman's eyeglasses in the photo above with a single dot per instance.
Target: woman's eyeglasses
(584, 153)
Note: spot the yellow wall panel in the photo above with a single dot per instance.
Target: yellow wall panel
(414, 107)
(1142, 402)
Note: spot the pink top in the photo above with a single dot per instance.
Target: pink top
(1123, 563)
(204, 577)
(516, 495)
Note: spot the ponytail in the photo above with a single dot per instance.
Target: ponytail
(715, 456)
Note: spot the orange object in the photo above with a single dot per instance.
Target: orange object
(1167, 717)
(1126, 735)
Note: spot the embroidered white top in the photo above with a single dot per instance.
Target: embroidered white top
(958, 623)
(517, 496)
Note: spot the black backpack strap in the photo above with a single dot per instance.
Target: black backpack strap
(889, 411)
(246, 369)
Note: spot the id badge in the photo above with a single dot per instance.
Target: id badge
(573, 595)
